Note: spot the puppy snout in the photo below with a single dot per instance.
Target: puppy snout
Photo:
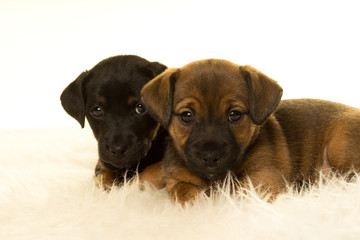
(210, 158)
(210, 153)
(118, 150)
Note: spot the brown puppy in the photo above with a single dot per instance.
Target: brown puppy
(220, 119)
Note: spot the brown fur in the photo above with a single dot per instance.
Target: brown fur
(153, 175)
(270, 147)
(320, 134)
(106, 177)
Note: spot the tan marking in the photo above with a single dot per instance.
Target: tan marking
(179, 133)
(102, 100)
(132, 100)
(153, 175)
(186, 105)
(244, 131)
(105, 179)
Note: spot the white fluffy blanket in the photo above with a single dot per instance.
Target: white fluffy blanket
(47, 192)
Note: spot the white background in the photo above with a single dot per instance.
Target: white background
(312, 48)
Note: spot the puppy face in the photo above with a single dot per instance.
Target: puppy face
(214, 112)
(109, 97)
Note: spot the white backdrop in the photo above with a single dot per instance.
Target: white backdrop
(310, 47)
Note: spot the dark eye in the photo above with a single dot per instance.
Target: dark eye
(187, 117)
(97, 111)
(234, 116)
(140, 109)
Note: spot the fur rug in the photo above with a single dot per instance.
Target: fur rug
(47, 192)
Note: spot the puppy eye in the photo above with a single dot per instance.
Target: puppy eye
(97, 111)
(187, 117)
(234, 116)
(140, 109)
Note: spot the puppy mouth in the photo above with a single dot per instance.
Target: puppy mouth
(227, 161)
(212, 173)
(120, 162)
(131, 158)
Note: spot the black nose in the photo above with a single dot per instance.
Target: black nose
(210, 158)
(209, 152)
(118, 150)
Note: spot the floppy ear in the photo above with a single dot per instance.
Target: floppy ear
(72, 98)
(152, 69)
(157, 96)
(264, 94)
(156, 68)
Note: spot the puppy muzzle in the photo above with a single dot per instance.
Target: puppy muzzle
(209, 159)
(122, 155)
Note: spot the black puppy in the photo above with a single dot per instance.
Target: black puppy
(109, 97)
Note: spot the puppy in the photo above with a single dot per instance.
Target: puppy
(108, 96)
(224, 117)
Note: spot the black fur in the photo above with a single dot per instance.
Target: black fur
(107, 96)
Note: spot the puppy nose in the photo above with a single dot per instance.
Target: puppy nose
(210, 158)
(118, 150)
(209, 152)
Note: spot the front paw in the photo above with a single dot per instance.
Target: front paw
(104, 181)
(152, 175)
(104, 177)
(184, 193)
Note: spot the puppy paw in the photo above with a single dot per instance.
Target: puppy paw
(104, 177)
(152, 175)
(184, 193)
(104, 181)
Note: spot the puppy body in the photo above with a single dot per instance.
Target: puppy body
(321, 136)
(220, 117)
(108, 96)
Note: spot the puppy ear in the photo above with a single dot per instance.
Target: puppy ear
(72, 98)
(157, 96)
(156, 68)
(264, 94)
(152, 69)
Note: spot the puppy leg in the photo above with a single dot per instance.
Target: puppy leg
(268, 181)
(104, 177)
(183, 186)
(153, 174)
(342, 151)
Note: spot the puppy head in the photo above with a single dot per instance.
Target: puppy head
(212, 110)
(109, 97)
